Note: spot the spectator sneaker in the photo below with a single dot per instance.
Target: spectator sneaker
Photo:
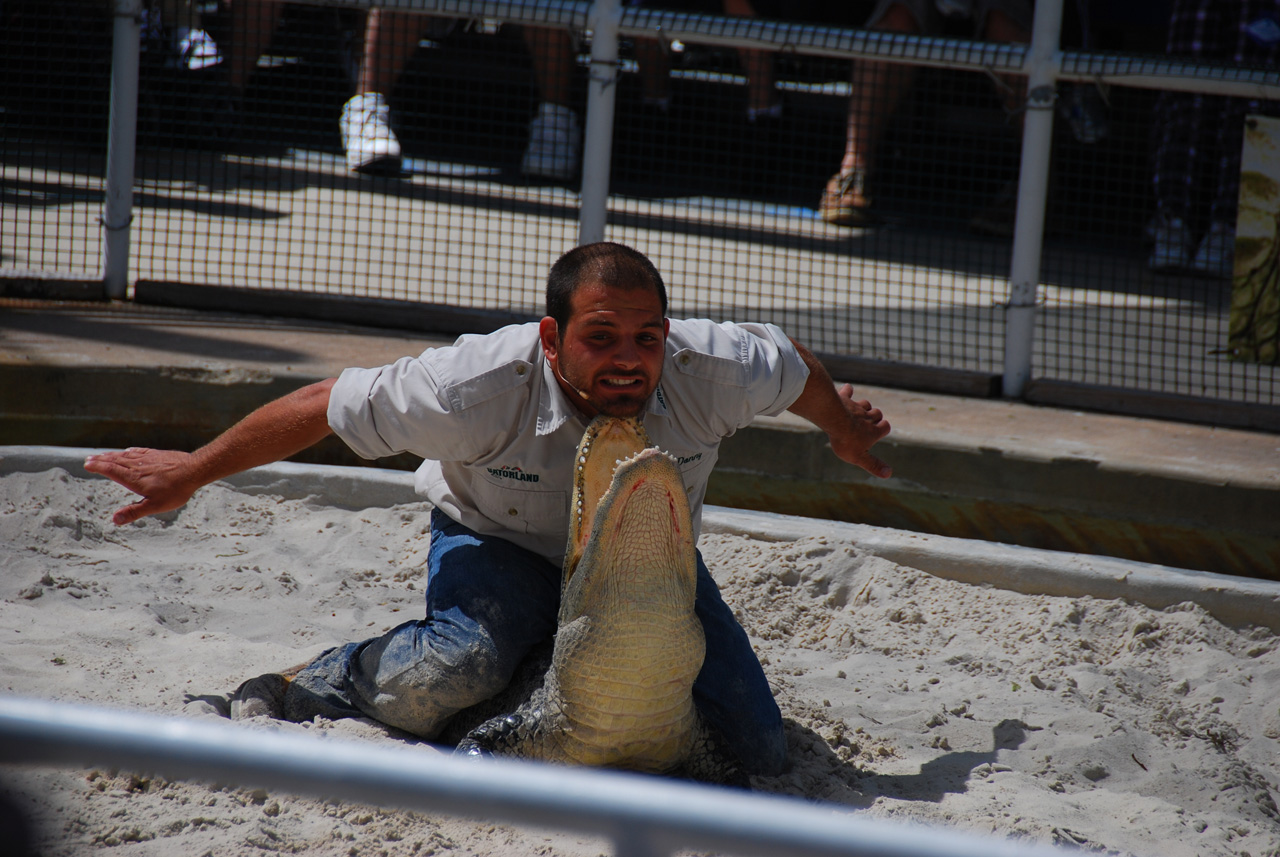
(555, 144)
(196, 49)
(844, 200)
(1172, 251)
(1216, 255)
(367, 137)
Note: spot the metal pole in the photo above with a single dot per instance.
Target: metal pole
(603, 20)
(1033, 191)
(117, 213)
(670, 815)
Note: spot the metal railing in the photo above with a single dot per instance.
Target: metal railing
(643, 816)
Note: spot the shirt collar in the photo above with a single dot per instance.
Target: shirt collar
(554, 408)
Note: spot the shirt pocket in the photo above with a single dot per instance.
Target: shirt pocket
(522, 509)
(711, 367)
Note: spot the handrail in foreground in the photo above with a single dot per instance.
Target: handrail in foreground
(641, 815)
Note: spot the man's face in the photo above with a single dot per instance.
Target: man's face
(611, 349)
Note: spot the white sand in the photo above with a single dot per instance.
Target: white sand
(1097, 723)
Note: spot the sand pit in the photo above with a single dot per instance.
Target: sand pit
(1088, 722)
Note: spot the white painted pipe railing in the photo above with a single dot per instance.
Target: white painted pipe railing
(643, 816)
(117, 214)
(1033, 192)
(597, 150)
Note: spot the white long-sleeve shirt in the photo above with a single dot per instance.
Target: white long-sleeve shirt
(498, 435)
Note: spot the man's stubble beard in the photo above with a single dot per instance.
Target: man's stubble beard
(627, 406)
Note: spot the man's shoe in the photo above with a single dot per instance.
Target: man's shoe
(260, 697)
(1216, 256)
(844, 201)
(555, 144)
(367, 137)
(1172, 251)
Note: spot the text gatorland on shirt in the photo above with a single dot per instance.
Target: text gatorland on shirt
(515, 473)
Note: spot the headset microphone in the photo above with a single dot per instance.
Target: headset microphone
(570, 386)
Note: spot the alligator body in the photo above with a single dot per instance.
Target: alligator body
(618, 691)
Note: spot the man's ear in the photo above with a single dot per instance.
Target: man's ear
(549, 334)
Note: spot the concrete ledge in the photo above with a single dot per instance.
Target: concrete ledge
(1073, 496)
(1031, 571)
(1232, 600)
(343, 487)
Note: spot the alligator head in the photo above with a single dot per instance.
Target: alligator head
(618, 691)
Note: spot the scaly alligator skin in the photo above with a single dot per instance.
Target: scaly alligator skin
(618, 691)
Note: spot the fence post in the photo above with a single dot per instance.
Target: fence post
(1033, 190)
(117, 212)
(603, 20)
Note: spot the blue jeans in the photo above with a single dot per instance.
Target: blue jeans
(488, 603)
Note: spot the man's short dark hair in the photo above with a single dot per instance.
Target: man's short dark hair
(608, 263)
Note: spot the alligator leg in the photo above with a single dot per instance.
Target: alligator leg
(711, 760)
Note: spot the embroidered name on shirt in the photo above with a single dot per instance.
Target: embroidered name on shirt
(512, 473)
(688, 459)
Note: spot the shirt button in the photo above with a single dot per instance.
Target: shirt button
(520, 370)
(513, 511)
(684, 359)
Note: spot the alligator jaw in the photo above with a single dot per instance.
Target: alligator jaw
(606, 443)
(641, 536)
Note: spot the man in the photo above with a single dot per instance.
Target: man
(498, 419)
(879, 87)
(554, 148)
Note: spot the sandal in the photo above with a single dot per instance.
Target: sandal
(844, 201)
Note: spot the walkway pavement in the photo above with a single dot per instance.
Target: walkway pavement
(1189, 496)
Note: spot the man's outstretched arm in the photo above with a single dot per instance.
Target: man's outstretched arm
(166, 479)
(853, 427)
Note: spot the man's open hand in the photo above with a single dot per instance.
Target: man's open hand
(865, 426)
(161, 477)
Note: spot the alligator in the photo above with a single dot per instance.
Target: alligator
(619, 689)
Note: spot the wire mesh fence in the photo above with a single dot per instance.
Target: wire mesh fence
(857, 186)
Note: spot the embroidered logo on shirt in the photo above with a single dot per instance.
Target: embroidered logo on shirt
(512, 473)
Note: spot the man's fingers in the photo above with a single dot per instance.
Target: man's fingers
(153, 474)
(129, 514)
(873, 414)
(116, 466)
(106, 467)
(142, 508)
(874, 466)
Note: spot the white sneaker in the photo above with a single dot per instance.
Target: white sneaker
(555, 144)
(367, 137)
(1173, 245)
(197, 48)
(1216, 255)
